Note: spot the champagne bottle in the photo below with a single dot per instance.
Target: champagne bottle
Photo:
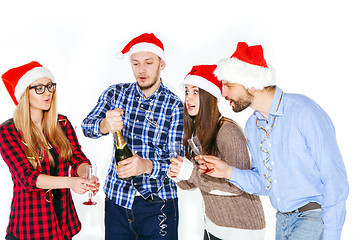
(122, 151)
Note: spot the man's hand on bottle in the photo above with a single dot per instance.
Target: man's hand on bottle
(134, 166)
(113, 121)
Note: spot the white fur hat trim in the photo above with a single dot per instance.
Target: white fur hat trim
(29, 77)
(204, 84)
(147, 47)
(235, 71)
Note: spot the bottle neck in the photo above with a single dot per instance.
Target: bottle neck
(120, 142)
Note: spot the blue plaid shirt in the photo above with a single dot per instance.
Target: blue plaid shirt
(150, 125)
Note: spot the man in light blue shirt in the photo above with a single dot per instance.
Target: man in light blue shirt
(295, 157)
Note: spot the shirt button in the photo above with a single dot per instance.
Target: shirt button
(137, 120)
(275, 181)
(141, 105)
(267, 127)
(278, 199)
(269, 144)
(272, 163)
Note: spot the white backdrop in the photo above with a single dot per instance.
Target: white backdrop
(313, 45)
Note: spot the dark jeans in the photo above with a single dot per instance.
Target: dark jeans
(207, 235)
(148, 219)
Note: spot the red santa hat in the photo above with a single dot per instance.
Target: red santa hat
(202, 76)
(16, 80)
(247, 66)
(146, 42)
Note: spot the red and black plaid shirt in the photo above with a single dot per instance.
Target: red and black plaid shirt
(31, 216)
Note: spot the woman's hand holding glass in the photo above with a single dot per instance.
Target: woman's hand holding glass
(175, 166)
(176, 159)
(80, 185)
(93, 184)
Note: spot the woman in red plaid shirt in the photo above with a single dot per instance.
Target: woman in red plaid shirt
(39, 146)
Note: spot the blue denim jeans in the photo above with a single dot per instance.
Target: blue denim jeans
(148, 219)
(299, 225)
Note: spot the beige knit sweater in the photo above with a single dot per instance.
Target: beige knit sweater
(242, 210)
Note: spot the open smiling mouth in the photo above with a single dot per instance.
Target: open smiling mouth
(191, 107)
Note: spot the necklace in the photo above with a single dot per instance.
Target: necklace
(266, 160)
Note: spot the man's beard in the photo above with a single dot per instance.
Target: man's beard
(151, 83)
(241, 104)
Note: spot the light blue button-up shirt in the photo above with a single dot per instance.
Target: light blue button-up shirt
(304, 162)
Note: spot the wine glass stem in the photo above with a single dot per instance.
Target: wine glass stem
(90, 196)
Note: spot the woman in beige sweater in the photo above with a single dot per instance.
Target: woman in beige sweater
(229, 212)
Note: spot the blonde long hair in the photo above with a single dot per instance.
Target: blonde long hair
(35, 141)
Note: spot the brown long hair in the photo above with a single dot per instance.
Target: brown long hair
(34, 140)
(205, 125)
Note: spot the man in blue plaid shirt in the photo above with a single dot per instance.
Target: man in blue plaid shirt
(151, 118)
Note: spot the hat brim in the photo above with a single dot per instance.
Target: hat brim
(236, 71)
(204, 84)
(31, 76)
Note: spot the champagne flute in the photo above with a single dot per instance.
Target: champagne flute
(196, 147)
(91, 175)
(175, 149)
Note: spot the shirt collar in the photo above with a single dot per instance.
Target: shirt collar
(274, 105)
(158, 91)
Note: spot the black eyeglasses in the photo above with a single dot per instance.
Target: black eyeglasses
(40, 89)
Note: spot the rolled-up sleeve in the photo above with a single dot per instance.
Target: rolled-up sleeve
(91, 124)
